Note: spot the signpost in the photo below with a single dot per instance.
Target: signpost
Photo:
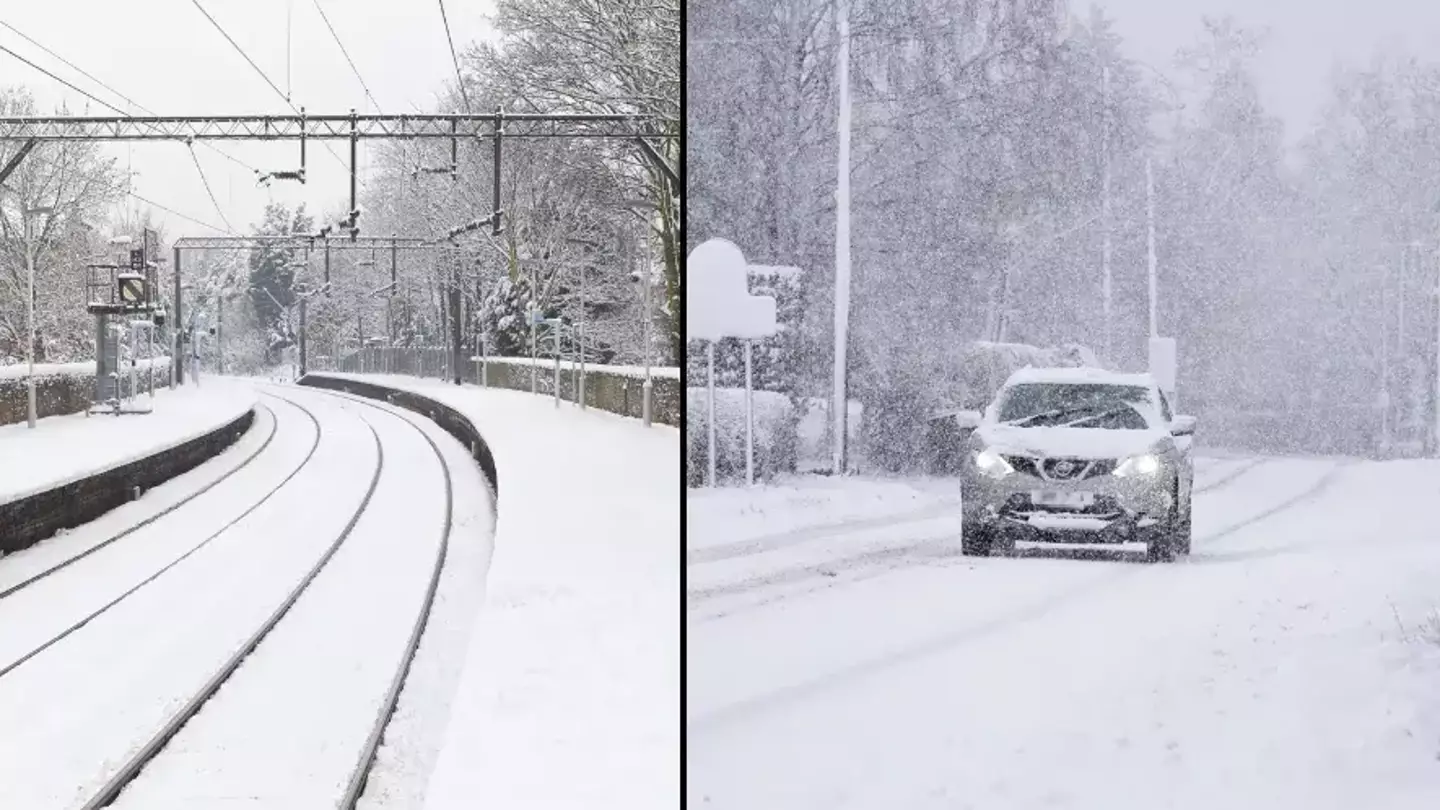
(718, 304)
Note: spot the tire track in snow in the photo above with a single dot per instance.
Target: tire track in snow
(738, 712)
(779, 540)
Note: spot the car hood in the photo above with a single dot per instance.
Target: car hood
(1073, 442)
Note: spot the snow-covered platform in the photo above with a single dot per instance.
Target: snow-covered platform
(63, 449)
(570, 695)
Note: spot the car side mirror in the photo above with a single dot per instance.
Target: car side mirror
(967, 420)
(1182, 426)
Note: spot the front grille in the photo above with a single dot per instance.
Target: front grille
(1078, 469)
(1104, 506)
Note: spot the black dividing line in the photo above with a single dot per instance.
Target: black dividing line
(13, 665)
(274, 427)
(132, 768)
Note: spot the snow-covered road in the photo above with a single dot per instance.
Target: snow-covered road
(1292, 661)
(99, 656)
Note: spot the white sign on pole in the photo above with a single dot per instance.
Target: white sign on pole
(718, 304)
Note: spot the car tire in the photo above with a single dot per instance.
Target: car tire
(975, 540)
(1166, 538)
(1184, 532)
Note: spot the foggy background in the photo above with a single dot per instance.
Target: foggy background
(1295, 156)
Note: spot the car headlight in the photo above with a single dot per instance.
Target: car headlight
(992, 465)
(1141, 465)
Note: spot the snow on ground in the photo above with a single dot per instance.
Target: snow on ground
(61, 449)
(1290, 662)
(90, 701)
(570, 696)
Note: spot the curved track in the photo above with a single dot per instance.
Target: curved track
(328, 598)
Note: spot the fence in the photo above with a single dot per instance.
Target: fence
(617, 389)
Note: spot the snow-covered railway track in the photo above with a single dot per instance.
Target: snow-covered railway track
(288, 631)
(70, 559)
(327, 654)
(10, 663)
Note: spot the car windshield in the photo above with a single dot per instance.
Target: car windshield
(1089, 405)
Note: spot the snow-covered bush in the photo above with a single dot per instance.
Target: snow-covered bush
(776, 434)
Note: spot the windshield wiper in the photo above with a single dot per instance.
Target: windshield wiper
(1024, 420)
(1098, 416)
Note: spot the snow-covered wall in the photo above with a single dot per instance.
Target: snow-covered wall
(618, 389)
(63, 388)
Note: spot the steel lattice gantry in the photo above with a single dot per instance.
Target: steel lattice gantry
(328, 127)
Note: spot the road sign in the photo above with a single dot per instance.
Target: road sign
(132, 289)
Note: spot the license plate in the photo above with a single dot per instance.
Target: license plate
(1072, 500)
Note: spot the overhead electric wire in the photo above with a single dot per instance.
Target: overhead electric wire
(454, 60)
(346, 53)
(182, 216)
(208, 190)
(241, 51)
(62, 81)
(137, 105)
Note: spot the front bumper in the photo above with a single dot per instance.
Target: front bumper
(1121, 510)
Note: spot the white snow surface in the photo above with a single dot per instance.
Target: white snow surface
(571, 693)
(1291, 661)
(61, 449)
(671, 372)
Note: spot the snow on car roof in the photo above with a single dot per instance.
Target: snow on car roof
(1094, 376)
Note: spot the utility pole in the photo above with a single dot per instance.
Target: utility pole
(1150, 244)
(1105, 206)
(842, 238)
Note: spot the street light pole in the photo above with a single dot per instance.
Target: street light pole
(25, 215)
(30, 328)
(842, 237)
(1150, 242)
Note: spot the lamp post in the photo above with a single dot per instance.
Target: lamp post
(30, 313)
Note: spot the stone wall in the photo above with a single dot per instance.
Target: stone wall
(29, 520)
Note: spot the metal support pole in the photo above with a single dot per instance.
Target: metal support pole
(749, 417)
(556, 327)
(29, 323)
(220, 334)
(647, 387)
(1150, 244)
(303, 358)
(1105, 282)
(178, 361)
(580, 335)
(710, 419)
(495, 225)
(842, 248)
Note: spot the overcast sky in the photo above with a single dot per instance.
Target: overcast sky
(1307, 38)
(165, 55)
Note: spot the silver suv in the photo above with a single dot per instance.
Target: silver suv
(1078, 455)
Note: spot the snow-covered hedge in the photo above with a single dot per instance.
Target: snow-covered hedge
(776, 435)
(975, 372)
(902, 397)
(64, 388)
